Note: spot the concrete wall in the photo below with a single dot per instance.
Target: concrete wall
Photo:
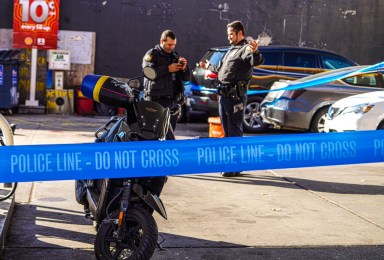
(126, 29)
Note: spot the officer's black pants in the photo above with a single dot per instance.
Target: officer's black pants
(231, 121)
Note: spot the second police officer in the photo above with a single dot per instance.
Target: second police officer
(234, 75)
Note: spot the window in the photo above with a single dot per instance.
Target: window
(271, 58)
(364, 80)
(331, 63)
(295, 59)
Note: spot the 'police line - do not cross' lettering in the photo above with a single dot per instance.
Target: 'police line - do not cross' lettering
(159, 158)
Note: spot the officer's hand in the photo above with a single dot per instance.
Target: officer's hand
(183, 62)
(174, 67)
(253, 45)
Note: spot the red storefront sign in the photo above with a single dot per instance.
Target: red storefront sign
(35, 24)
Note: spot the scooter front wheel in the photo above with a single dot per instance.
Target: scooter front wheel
(139, 240)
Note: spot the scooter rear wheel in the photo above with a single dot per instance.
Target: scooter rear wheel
(139, 241)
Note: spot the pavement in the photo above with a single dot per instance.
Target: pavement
(333, 212)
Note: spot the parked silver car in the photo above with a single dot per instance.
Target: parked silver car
(306, 108)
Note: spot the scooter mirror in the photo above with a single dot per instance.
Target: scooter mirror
(149, 73)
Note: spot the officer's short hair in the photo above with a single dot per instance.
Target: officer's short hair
(167, 33)
(237, 26)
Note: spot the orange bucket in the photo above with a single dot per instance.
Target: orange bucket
(215, 127)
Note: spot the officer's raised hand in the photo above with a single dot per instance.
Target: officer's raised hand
(253, 45)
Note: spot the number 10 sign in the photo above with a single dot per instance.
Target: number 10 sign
(35, 24)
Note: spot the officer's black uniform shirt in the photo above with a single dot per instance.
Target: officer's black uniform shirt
(166, 83)
(237, 64)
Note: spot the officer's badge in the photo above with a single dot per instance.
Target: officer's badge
(148, 57)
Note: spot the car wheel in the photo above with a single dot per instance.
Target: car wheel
(318, 121)
(381, 126)
(252, 118)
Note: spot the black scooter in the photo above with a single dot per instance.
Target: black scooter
(121, 209)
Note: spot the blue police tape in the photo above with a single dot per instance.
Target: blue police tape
(317, 79)
(155, 158)
(308, 82)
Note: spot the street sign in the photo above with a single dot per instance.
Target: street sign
(59, 59)
(35, 24)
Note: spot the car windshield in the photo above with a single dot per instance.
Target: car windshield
(365, 79)
(214, 57)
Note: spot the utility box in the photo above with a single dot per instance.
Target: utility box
(60, 101)
(9, 77)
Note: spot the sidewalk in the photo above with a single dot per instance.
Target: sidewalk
(45, 129)
(6, 211)
(332, 212)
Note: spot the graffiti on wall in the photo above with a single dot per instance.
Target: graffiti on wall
(25, 75)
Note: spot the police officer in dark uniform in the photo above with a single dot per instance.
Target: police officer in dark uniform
(234, 75)
(167, 89)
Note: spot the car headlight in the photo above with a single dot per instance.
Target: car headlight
(358, 109)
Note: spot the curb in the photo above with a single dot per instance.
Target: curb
(6, 211)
